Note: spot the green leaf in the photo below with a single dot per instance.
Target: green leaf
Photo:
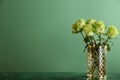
(85, 48)
(108, 47)
(86, 39)
(75, 32)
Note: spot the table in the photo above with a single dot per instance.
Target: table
(50, 76)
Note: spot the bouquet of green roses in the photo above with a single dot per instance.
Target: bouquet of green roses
(95, 32)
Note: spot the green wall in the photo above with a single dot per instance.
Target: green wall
(35, 35)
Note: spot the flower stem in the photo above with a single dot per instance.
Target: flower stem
(100, 40)
(82, 35)
(107, 40)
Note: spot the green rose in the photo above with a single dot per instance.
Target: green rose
(78, 25)
(90, 33)
(91, 21)
(88, 29)
(75, 28)
(112, 31)
(99, 27)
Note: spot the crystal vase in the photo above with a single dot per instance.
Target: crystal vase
(96, 62)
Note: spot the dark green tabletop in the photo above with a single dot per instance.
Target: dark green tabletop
(50, 76)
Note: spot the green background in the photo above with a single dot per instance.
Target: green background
(35, 35)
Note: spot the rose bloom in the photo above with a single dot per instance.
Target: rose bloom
(91, 21)
(112, 31)
(99, 27)
(88, 29)
(75, 28)
(78, 25)
(89, 33)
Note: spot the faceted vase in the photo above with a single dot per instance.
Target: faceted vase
(96, 58)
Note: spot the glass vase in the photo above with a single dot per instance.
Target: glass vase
(96, 58)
